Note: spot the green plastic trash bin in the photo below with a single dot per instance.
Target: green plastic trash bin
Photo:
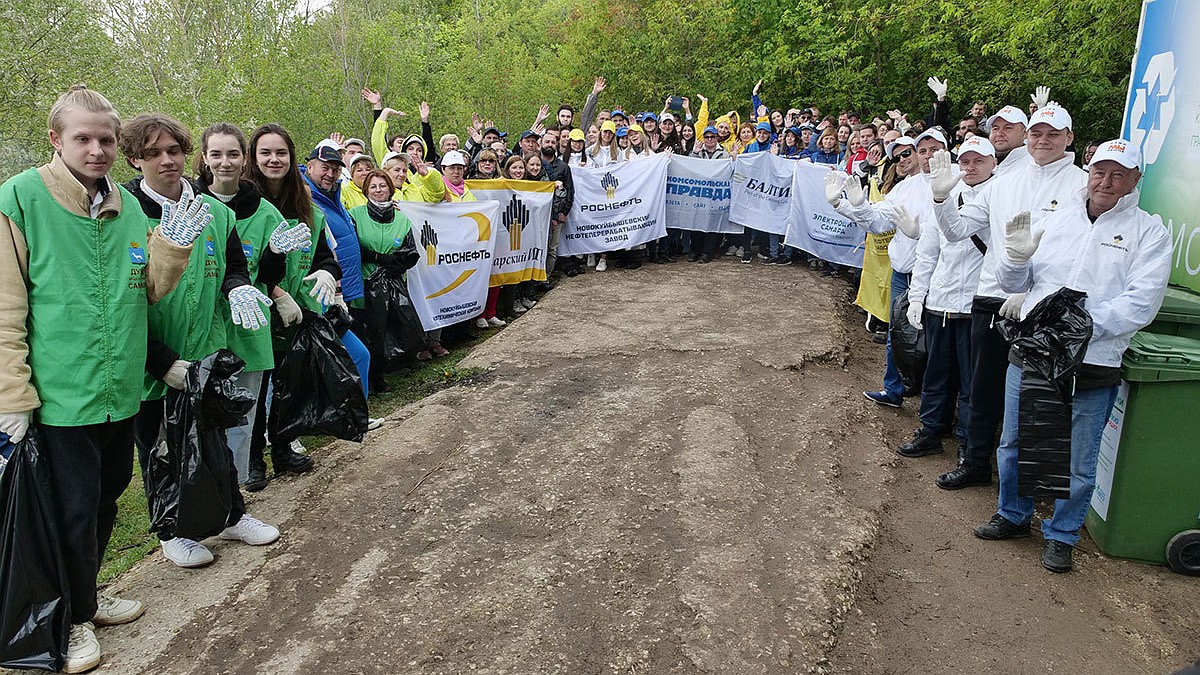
(1179, 315)
(1148, 472)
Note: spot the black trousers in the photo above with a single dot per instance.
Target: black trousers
(149, 424)
(989, 363)
(946, 387)
(90, 466)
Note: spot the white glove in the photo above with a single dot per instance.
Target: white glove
(287, 239)
(1019, 240)
(337, 300)
(907, 223)
(915, 311)
(1011, 309)
(183, 221)
(15, 424)
(942, 178)
(854, 191)
(324, 287)
(176, 377)
(244, 305)
(939, 87)
(1040, 96)
(833, 188)
(289, 311)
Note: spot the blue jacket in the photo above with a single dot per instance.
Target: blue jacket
(349, 257)
(757, 147)
(822, 157)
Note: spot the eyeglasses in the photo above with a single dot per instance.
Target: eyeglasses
(904, 155)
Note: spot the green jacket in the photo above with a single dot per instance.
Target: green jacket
(379, 237)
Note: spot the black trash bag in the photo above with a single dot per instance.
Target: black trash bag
(317, 386)
(35, 612)
(908, 344)
(393, 329)
(191, 492)
(1051, 341)
(339, 319)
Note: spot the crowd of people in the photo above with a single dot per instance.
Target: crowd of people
(985, 216)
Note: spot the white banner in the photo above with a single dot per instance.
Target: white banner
(617, 207)
(450, 282)
(520, 253)
(698, 194)
(814, 226)
(762, 191)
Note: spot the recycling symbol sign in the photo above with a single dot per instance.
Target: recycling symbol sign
(1153, 105)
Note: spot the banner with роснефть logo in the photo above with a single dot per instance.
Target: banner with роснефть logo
(815, 226)
(698, 194)
(762, 192)
(524, 227)
(450, 282)
(616, 207)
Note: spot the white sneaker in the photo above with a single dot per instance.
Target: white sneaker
(528, 302)
(496, 322)
(186, 553)
(481, 322)
(591, 260)
(602, 265)
(112, 611)
(518, 308)
(298, 447)
(83, 649)
(374, 423)
(252, 531)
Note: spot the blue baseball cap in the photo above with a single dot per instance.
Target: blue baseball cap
(763, 126)
(618, 111)
(649, 116)
(710, 130)
(622, 132)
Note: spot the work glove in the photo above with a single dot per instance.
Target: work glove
(1019, 240)
(854, 191)
(324, 287)
(176, 377)
(183, 221)
(1011, 309)
(287, 239)
(15, 424)
(288, 310)
(833, 188)
(1040, 97)
(340, 302)
(939, 87)
(244, 305)
(942, 178)
(916, 311)
(907, 223)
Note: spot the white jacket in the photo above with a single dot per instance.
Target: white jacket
(1017, 157)
(946, 272)
(1040, 190)
(1122, 261)
(879, 217)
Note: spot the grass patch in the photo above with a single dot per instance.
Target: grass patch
(131, 540)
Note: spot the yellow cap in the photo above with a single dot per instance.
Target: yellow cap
(635, 128)
(609, 125)
(577, 135)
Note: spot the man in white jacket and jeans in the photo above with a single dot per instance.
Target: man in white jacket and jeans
(1047, 182)
(943, 284)
(1102, 244)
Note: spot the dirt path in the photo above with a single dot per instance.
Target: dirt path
(665, 471)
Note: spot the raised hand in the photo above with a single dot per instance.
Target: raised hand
(424, 110)
(539, 129)
(473, 132)
(687, 103)
(833, 188)
(942, 178)
(757, 86)
(598, 85)
(854, 191)
(907, 223)
(939, 87)
(1040, 96)
(702, 98)
(245, 304)
(286, 239)
(475, 121)
(1020, 242)
(372, 97)
(338, 138)
(761, 111)
(543, 113)
(183, 221)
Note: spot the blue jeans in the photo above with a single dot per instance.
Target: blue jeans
(947, 382)
(1089, 413)
(360, 356)
(893, 384)
(774, 245)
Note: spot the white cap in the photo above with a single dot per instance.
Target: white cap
(357, 141)
(454, 158)
(935, 134)
(354, 159)
(1120, 151)
(1056, 116)
(393, 155)
(903, 140)
(325, 142)
(667, 116)
(1010, 114)
(979, 145)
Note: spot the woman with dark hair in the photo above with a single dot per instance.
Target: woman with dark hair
(669, 140)
(687, 139)
(514, 167)
(577, 151)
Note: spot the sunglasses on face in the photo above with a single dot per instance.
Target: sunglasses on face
(904, 155)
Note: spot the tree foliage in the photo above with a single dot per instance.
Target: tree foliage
(253, 61)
